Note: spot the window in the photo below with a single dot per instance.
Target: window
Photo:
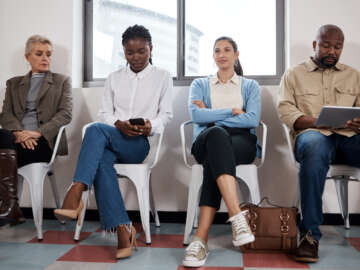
(183, 33)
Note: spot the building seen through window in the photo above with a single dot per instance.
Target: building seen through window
(253, 24)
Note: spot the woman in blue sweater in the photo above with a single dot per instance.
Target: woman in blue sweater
(225, 109)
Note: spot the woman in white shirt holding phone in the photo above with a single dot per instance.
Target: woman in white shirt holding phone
(136, 104)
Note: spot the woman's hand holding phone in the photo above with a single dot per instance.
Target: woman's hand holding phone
(147, 128)
(139, 127)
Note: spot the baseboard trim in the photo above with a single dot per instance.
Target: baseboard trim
(180, 217)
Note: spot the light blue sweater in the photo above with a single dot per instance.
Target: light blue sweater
(200, 90)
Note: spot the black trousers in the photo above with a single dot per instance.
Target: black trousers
(219, 150)
(41, 153)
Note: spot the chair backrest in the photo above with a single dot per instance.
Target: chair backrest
(289, 143)
(57, 142)
(184, 146)
(263, 142)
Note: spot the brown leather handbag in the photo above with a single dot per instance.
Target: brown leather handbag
(274, 227)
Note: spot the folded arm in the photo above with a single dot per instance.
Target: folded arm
(204, 115)
(251, 117)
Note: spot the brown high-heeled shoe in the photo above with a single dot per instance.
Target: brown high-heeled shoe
(65, 213)
(122, 253)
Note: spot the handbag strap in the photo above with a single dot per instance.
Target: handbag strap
(267, 200)
(264, 199)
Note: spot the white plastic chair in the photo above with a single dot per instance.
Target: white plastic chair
(341, 174)
(140, 175)
(246, 175)
(35, 174)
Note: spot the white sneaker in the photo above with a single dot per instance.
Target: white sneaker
(240, 229)
(196, 253)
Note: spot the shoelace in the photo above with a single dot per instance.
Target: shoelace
(308, 238)
(240, 224)
(194, 248)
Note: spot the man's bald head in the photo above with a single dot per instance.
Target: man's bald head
(329, 29)
(328, 45)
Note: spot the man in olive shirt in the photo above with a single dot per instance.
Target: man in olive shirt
(304, 90)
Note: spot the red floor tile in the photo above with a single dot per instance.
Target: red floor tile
(272, 260)
(211, 268)
(86, 253)
(60, 237)
(355, 242)
(162, 241)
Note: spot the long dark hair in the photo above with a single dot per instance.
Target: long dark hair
(137, 31)
(237, 66)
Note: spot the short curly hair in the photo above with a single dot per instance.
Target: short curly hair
(137, 31)
(35, 39)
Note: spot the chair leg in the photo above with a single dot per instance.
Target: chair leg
(297, 195)
(35, 175)
(342, 194)
(193, 197)
(55, 192)
(143, 197)
(197, 213)
(20, 186)
(141, 180)
(248, 174)
(152, 205)
(80, 222)
(190, 215)
(244, 190)
(37, 209)
(197, 210)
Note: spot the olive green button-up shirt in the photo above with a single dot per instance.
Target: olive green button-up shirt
(306, 88)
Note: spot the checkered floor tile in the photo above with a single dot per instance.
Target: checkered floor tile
(20, 249)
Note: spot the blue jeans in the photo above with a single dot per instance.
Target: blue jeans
(315, 152)
(102, 147)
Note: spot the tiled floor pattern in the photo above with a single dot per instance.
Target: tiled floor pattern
(20, 249)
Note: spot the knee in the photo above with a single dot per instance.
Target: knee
(95, 126)
(313, 146)
(217, 134)
(93, 129)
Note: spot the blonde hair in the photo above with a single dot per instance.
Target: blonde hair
(35, 39)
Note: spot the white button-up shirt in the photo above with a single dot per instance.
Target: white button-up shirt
(146, 94)
(226, 95)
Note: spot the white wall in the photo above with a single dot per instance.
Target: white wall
(306, 16)
(60, 20)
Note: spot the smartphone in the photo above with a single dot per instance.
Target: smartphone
(137, 121)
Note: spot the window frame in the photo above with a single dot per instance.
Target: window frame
(180, 79)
